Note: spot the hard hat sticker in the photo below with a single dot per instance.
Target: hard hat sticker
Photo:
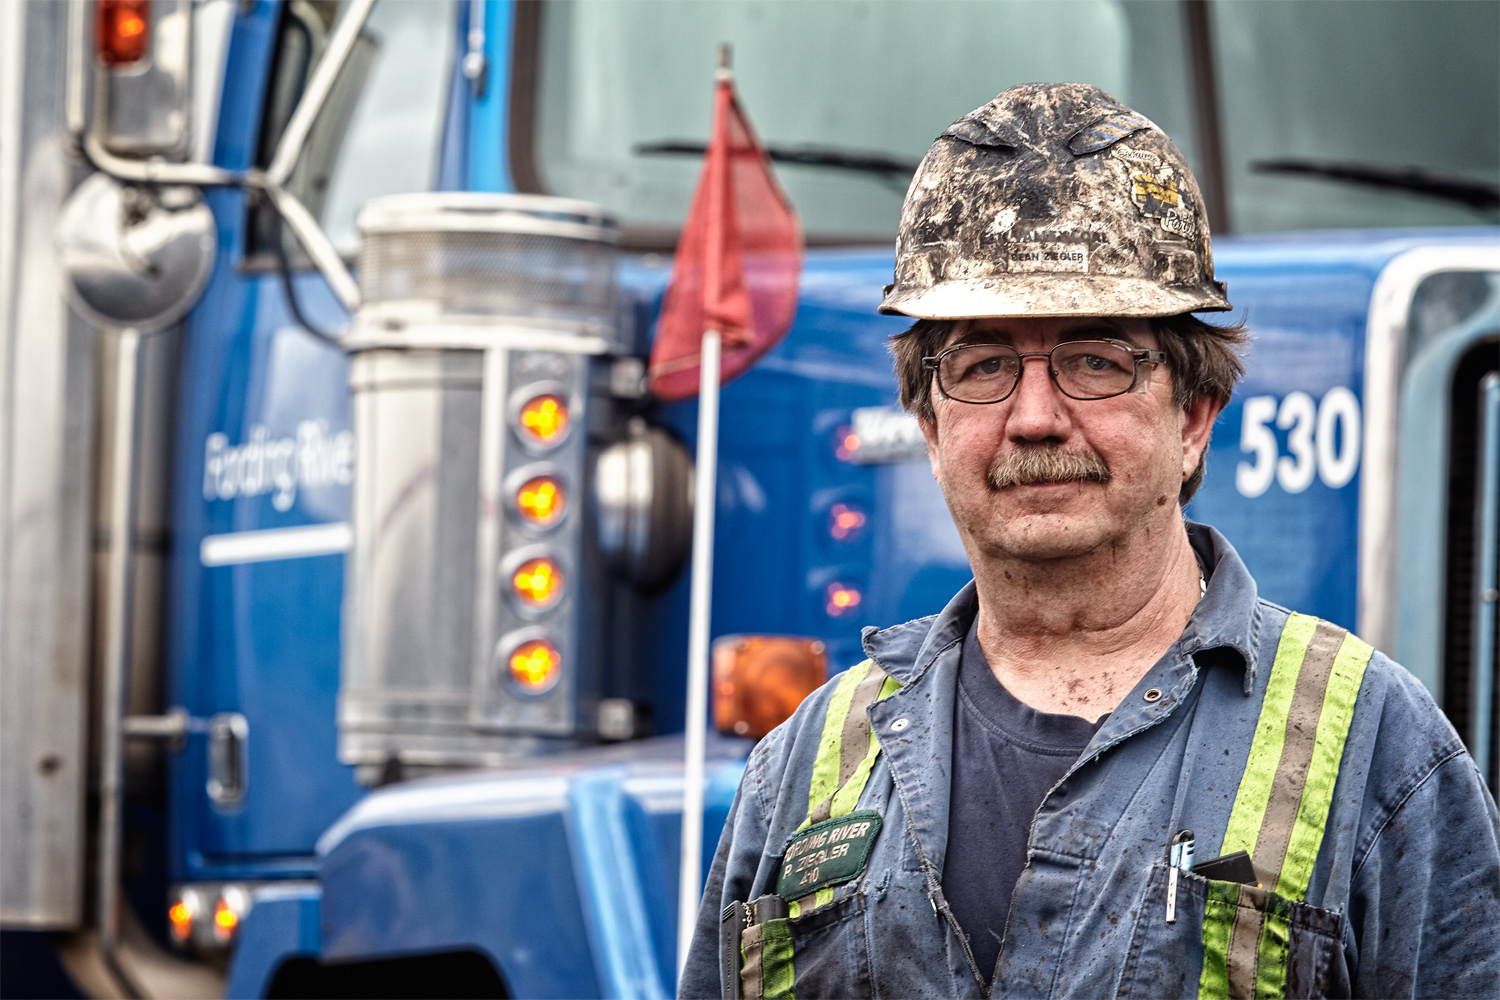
(1154, 191)
(973, 129)
(1106, 132)
(1138, 155)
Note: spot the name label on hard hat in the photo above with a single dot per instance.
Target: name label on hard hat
(1048, 257)
(827, 854)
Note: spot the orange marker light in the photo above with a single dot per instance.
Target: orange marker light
(759, 680)
(537, 581)
(121, 31)
(845, 444)
(532, 664)
(545, 419)
(180, 917)
(841, 599)
(845, 521)
(225, 921)
(541, 500)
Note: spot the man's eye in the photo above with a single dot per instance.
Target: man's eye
(1094, 363)
(988, 367)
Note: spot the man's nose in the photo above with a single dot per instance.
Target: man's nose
(1037, 408)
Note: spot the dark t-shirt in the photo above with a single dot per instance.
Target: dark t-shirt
(1006, 758)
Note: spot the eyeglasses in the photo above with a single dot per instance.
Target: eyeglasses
(1081, 369)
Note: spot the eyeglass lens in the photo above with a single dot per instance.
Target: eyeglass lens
(988, 373)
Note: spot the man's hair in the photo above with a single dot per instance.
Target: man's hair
(1202, 360)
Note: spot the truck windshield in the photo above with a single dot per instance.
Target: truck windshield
(380, 129)
(1370, 83)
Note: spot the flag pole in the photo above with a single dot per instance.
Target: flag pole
(704, 480)
(705, 487)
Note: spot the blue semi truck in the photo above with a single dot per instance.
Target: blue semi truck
(344, 600)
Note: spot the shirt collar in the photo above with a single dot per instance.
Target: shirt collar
(1228, 617)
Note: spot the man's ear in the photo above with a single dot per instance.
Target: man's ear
(929, 432)
(1197, 428)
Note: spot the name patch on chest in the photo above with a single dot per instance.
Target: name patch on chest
(828, 853)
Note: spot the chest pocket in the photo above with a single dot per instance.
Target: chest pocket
(1304, 955)
(820, 948)
(1265, 940)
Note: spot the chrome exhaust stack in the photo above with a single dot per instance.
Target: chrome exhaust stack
(480, 319)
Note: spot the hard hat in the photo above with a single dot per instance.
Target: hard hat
(1054, 199)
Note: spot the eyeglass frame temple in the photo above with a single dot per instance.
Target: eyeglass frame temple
(1138, 355)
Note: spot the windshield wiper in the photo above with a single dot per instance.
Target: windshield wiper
(1475, 194)
(807, 156)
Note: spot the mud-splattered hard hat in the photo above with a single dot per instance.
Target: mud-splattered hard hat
(1054, 199)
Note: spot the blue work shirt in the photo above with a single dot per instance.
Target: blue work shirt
(1404, 898)
(1006, 758)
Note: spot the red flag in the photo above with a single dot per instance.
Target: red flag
(737, 261)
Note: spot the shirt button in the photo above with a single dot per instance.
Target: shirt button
(1153, 695)
(899, 725)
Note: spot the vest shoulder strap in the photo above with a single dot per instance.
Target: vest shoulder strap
(1281, 809)
(848, 748)
(846, 754)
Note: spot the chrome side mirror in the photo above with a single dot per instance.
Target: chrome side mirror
(135, 256)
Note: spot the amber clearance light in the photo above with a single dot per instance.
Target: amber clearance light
(541, 501)
(229, 910)
(122, 32)
(180, 917)
(845, 521)
(533, 663)
(845, 444)
(537, 582)
(544, 418)
(759, 680)
(840, 599)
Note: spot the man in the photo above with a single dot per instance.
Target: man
(1106, 768)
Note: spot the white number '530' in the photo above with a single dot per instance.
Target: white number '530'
(1323, 439)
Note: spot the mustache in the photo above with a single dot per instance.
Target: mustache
(1046, 463)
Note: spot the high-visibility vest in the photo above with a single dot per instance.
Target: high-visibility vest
(1281, 808)
(1278, 817)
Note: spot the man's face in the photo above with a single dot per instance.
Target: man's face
(1109, 467)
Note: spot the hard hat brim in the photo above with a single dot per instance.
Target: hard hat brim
(1015, 296)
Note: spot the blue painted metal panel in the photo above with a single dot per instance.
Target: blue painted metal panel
(504, 887)
(283, 923)
(260, 638)
(605, 848)
(558, 874)
(1299, 536)
(489, 140)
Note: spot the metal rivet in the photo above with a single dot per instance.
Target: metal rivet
(1153, 695)
(899, 725)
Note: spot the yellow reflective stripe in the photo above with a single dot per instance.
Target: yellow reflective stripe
(1305, 648)
(1328, 753)
(778, 974)
(1248, 814)
(825, 780)
(847, 797)
(825, 777)
(1249, 811)
(1219, 908)
(1275, 946)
